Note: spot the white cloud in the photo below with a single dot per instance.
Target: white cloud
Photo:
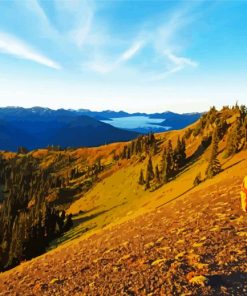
(84, 23)
(129, 53)
(41, 18)
(15, 47)
(180, 61)
(103, 67)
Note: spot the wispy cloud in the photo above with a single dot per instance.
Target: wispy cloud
(104, 67)
(163, 40)
(42, 21)
(168, 42)
(178, 63)
(129, 53)
(84, 22)
(17, 48)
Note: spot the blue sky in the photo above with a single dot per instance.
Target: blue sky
(128, 55)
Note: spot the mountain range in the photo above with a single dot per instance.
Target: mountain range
(39, 127)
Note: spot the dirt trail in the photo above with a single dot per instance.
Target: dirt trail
(196, 245)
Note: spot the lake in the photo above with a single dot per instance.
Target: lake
(138, 123)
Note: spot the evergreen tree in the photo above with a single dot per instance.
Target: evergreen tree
(234, 139)
(141, 178)
(157, 174)
(179, 154)
(170, 160)
(147, 186)
(128, 153)
(164, 166)
(124, 153)
(222, 127)
(214, 166)
(197, 180)
(150, 171)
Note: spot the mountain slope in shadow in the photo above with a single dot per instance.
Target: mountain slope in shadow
(86, 131)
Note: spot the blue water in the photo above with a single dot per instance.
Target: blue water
(137, 123)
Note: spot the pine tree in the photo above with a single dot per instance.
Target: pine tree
(214, 166)
(128, 153)
(164, 166)
(179, 154)
(170, 160)
(234, 139)
(141, 178)
(124, 153)
(157, 174)
(150, 171)
(197, 180)
(147, 186)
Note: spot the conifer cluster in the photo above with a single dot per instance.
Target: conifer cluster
(172, 161)
(32, 199)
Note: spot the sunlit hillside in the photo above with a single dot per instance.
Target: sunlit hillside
(128, 206)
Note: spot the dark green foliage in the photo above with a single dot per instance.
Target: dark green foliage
(235, 135)
(188, 133)
(22, 150)
(222, 127)
(28, 219)
(141, 178)
(149, 171)
(200, 125)
(170, 159)
(124, 153)
(143, 144)
(214, 166)
(165, 169)
(173, 160)
(157, 174)
(206, 120)
(147, 185)
(197, 180)
(179, 154)
(167, 163)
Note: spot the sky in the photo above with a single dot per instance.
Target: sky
(132, 55)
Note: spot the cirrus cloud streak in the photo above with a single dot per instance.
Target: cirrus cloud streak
(13, 46)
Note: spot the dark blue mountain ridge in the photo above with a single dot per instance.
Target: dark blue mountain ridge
(38, 127)
(86, 131)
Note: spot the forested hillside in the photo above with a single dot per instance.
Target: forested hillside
(40, 190)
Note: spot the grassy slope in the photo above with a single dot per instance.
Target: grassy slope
(201, 233)
(119, 197)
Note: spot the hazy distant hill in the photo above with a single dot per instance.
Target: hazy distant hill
(179, 121)
(86, 131)
(38, 127)
(11, 137)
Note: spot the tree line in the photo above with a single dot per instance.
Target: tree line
(173, 159)
(30, 219)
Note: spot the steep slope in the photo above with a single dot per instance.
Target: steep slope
(122, 226)
(195, 245)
